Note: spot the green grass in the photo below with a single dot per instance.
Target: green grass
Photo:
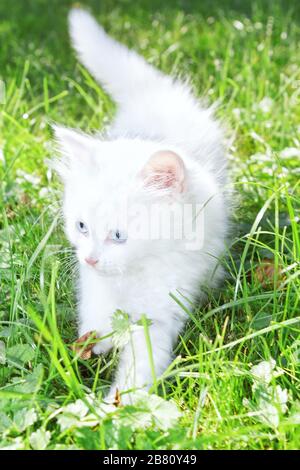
(246, 56)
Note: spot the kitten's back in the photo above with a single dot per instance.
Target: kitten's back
(151, 104)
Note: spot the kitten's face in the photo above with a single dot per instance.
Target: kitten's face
(109, 187)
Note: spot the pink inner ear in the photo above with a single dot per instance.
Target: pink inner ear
(165, 169)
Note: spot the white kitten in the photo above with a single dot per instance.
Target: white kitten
(162, 151)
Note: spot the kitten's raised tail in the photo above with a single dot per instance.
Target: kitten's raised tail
(120, 70)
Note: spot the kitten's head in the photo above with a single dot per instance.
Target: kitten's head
(109, 187)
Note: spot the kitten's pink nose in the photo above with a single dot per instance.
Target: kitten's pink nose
(91, 261)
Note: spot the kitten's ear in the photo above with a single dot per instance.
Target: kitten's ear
(76, 149)
(165, 170)
(73, 144)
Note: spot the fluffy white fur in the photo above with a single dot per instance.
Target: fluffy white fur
(156, 114)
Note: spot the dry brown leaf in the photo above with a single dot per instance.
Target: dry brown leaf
(24, 199)
(10, 213)
(117, 400)
(79, 347)
(265, 273)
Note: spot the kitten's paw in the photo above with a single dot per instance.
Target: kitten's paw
(89, 342)
(98, 345)
(102, 347)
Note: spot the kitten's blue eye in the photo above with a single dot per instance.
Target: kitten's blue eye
(81, 227)
(118, 236)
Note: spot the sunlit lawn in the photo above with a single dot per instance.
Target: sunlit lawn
(246, 56)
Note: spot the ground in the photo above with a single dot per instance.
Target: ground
(234, 382)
